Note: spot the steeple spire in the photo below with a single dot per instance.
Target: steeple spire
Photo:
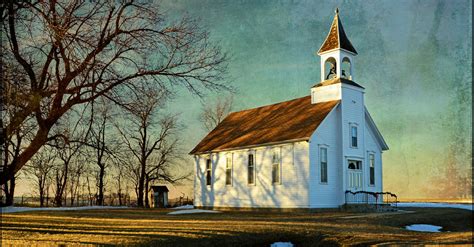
(337, 38)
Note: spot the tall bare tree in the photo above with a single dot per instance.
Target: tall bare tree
(164, 163)
(72, 52)
(120, 183)
(214, 112)
(40, 168)
(150, 137)
(104, 145)
(13, 144)
(67, 147)
(76, 170)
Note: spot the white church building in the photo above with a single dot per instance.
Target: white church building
(302, 153)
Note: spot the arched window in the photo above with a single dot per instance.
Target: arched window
(330, 69)
(346, 68)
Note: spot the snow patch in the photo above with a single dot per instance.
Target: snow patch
(467, 206)
(193, 211)
(424, 228)
(282, 244)
(184, 207)
(27, 209)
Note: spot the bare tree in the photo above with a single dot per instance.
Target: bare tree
(150, 137)
(89, 188)
(453, 180)
(104, 145)
(13, 144)
(76, 171)
(163, 164)
(67, 148)
(40, 168)
(72, 52)
(120, 180)
(213, 113)
(12, 149)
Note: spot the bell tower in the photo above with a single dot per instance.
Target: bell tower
(337, 53)
(337, 66)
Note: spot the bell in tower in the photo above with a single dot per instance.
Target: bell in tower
(332, 71)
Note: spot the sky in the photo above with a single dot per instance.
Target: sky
(414, 61)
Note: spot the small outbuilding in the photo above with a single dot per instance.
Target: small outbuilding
(160, 196)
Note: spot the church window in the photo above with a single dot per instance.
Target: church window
(372, 169)
(353, 139)
(276, 167)
(323, 160)
(251, 169)
(228, 169)
(208, 172)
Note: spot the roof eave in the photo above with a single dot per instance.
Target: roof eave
(319, 84)
(379, 136)
(250, 146)
(338, 48)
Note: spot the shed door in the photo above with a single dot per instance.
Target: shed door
(161, 200)
(354, 175)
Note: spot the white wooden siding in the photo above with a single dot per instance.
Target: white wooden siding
(291, 193)
(326, 195)
(372, 147)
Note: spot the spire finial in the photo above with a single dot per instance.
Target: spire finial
(337, 11)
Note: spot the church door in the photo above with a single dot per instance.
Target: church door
(354, 175)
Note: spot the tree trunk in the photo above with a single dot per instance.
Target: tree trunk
(119, 189)
(61, 186)
(147, 203)
(141, 183)
(41, 192)
(47, 196)
(100, 197)
(73, 197)
(38, 141)
(10, 192)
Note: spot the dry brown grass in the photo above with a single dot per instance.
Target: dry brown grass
(154, 227)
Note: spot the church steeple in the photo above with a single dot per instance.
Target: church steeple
(337, 38)
(337, 52)
(337, 68)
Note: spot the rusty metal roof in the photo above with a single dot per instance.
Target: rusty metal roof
(336, 38)
(293, 120)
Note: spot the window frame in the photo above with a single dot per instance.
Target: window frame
(253, 168)
(276, 151)
(351, 141)
(325, 148)
(371, 160)
(229, 156)
(208, 171)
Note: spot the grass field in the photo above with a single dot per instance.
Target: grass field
(144, 227)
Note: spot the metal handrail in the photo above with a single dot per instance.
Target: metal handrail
(389, 197)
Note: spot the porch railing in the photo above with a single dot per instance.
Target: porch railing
(369, 197)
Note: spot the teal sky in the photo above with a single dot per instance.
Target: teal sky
(414, 61)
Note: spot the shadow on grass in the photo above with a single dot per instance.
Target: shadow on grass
(453, 220)
(245, 239)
